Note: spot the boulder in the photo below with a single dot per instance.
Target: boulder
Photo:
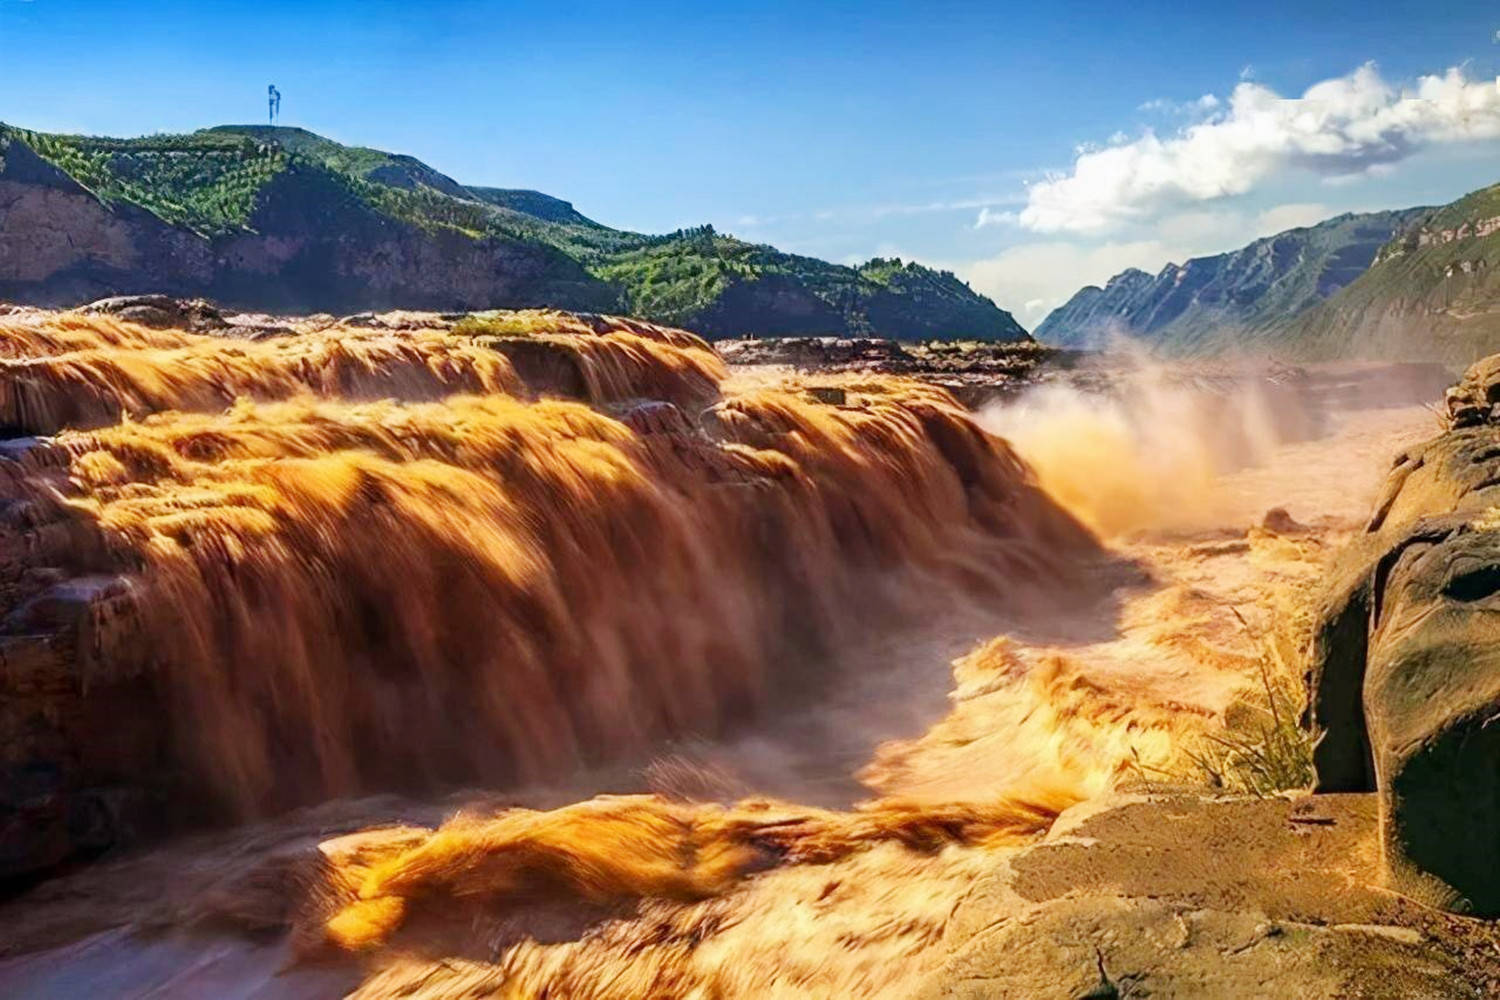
(655, 417)
(1405, 667)
(161, 312)
(1155, 893)
(1279, 520)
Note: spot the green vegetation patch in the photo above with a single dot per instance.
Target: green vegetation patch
(675, 278)
(502, 325)
(203, 182)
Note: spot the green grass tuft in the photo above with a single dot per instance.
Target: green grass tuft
(1264, 749)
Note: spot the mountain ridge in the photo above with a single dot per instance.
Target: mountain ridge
(1433, 292)
(1233, 300)
(282, 219)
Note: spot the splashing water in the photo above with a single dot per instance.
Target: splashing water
(625, 848)
(340, 597)
(352, 579)
(1147, 451)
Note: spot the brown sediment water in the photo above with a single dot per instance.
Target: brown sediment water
(341, 597)
(75, 372)
(518, 592)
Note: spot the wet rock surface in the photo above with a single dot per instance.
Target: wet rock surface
(975, 372)
(161, 312)
(76, 732)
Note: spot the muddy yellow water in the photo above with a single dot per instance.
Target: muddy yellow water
(769, 770)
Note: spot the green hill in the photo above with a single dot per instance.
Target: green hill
(1433, 293)
(273, 218)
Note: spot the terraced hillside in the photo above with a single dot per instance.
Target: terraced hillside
(281, 219)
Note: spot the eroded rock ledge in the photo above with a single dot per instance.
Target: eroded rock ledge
(1173, 894)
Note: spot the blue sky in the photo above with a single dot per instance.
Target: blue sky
(843, 130)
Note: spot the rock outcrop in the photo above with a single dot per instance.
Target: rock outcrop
(976, 373)
(1405, 669)
(1172, 895)
(161, 312)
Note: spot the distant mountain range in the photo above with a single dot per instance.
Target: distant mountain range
(280, 219)
(1419, 284)
(1211, 304)
(1433, 292)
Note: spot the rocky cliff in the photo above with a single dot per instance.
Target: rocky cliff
(280, 219)
(1231, 301)
(1404, 685)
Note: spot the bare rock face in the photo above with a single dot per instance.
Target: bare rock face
(1231, 299)
(58, 243)
(77, 723)
(1405, 671)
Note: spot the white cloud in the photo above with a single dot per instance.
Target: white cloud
(1292, 216)
(928, 207)
(1162, 105)
(1338, 128)
(988, 206)
(989, 217)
